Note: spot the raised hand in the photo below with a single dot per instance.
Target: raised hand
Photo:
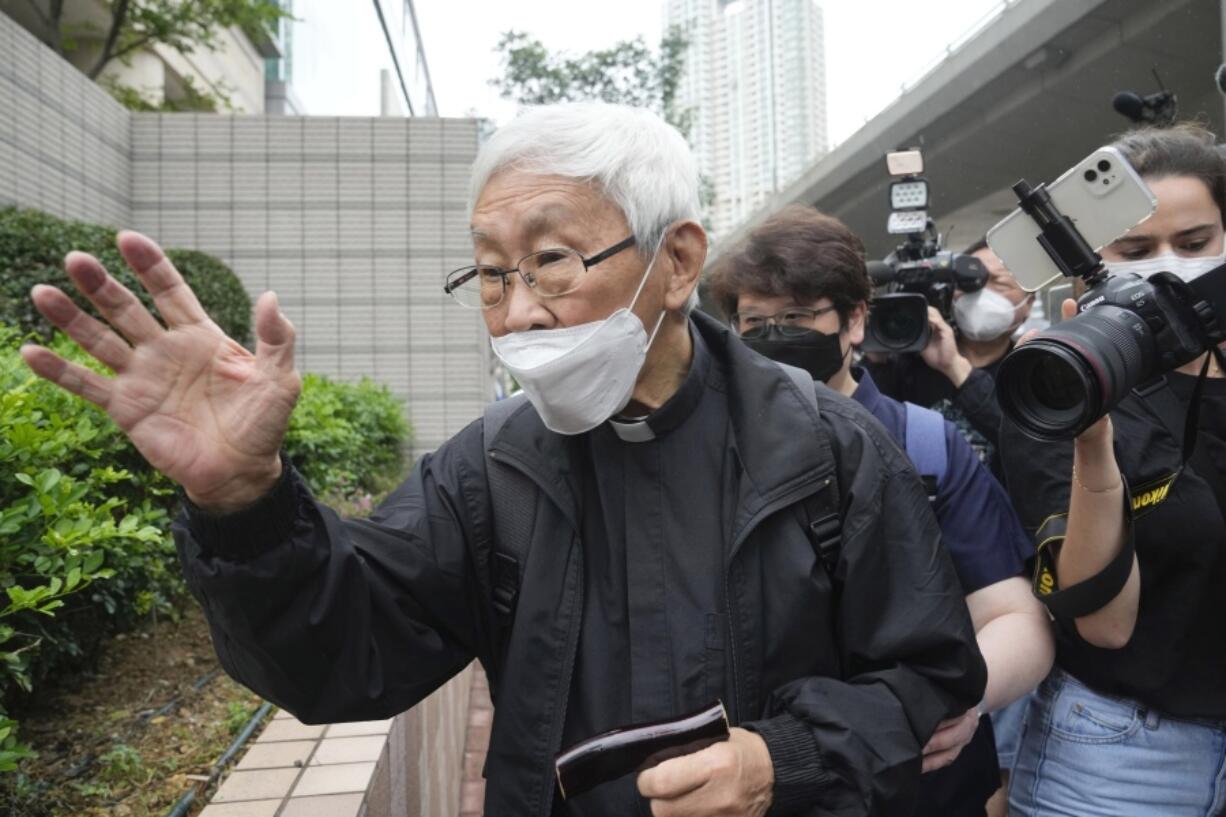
(197, 405)
(942, 353)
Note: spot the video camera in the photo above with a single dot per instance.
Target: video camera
(918, 273)
(1129, 330)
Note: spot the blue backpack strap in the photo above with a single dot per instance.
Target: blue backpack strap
(925, 441)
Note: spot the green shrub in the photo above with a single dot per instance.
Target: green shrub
(85, 545)
(32, 249)
(347, 439)
(84, 530)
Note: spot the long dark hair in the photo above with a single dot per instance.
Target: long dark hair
(1186, 149)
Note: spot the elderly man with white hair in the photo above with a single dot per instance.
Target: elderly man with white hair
(667, 519)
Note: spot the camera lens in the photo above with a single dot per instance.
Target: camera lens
(1057, 385)
(1090, 175)
(1103, 165)
(898, 322)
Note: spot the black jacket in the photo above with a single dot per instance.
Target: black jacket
(345, 620)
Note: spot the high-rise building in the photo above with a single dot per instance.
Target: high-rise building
(755, 85)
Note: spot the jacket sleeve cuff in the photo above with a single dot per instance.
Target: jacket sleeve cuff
(975, 391)
(800, 776)
(256, 529)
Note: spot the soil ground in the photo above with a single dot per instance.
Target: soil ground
(128, 738)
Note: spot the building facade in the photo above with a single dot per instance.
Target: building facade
(353, 221)
(755, 85)
(350, 59)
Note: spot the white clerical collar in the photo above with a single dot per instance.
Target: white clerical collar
(633, 431)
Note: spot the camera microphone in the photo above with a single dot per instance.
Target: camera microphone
(881, 273)
(1130, 105)
(1156, 109)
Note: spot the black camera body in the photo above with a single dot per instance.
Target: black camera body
(910, 281)
(1129, 331)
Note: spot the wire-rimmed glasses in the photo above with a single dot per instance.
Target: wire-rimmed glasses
(550, 273)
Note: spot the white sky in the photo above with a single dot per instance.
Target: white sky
(872, 46)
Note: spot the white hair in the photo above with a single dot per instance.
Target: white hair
(632, 155)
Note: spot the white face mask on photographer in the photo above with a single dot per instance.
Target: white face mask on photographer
(1182, 266)
(984, 314)
(579, 376)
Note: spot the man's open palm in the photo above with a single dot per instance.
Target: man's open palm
(198, 406)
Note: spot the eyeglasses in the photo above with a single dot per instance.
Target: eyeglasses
(793, 321)
(549, 273)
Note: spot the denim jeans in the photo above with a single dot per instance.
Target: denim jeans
(1085, 754)
(1007, 725)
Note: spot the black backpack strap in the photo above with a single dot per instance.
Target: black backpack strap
(820, 512)
(513, 497)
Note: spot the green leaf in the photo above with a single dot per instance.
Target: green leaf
(74, 578)
(93, 561)
(48, 479)
(25, 479)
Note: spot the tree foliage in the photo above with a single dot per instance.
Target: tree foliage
(628, 72)
(133, 25)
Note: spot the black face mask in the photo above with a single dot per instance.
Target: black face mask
(818, 353)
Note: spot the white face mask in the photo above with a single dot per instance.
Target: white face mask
(579, 376)
(984, 314)
(1184, 267)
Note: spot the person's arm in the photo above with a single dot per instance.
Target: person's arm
(1097, 578)
(1097, 536)
(976, 398)
(334, 619)
(853, 745)
(974, 389)
(1015, 637)
(330, 619)
(989, 549)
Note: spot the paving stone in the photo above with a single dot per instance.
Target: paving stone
(290, 729)
(350, 730)
(277, 755)
(264, 784)
(336, 779)
(252, 808)
(327, 805)
(281, 715)
(349, 750)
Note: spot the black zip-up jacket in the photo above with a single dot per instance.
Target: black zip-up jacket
(357, 619)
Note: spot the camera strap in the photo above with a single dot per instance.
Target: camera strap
(1165, 405)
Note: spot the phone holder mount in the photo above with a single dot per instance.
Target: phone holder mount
(1059, 236)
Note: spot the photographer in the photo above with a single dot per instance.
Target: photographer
(1132, 548)
(955, 373)
(796, 291)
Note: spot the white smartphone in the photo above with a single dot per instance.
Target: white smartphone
(1104, 197)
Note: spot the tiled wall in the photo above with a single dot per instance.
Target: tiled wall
(353, 221)
(64, 144)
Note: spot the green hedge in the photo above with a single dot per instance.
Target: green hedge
(85, 548)
(347, 439)
(84, 531)
(32, 249)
